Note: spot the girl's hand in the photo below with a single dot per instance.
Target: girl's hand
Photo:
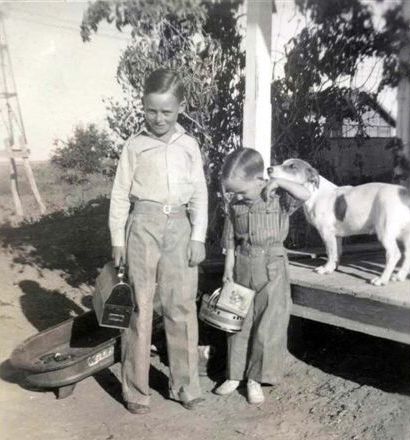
(118, 255)
(271, 186)
(196, 253)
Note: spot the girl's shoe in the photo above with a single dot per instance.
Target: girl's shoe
(255, 393)
(228, 387)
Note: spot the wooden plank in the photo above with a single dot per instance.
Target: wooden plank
(326, 318)
(363, 311)
(352, 278)
(346, 299)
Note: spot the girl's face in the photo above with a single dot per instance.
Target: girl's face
(246, 190)
(161, 112)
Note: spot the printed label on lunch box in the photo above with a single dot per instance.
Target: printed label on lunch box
(98, 357)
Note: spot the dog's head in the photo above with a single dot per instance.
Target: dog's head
(296, 170)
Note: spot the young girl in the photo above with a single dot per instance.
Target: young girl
(160, 173)
(253, 238)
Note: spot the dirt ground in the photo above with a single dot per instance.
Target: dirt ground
(339, 385)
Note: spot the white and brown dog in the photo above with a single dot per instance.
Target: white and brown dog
(340, 211)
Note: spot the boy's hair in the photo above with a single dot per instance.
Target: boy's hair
(244, 163)
(165, 80)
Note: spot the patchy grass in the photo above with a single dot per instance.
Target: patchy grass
(72, 237)
(57, 194)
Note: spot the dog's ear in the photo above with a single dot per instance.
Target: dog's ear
(313, 176)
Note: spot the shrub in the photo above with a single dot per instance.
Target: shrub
(84, 153)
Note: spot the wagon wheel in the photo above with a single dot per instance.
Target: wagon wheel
(63, 392)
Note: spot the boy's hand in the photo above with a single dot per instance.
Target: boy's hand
(229, 265)
(272, 185)
(227, 276)
(196, 252)
(118, 255)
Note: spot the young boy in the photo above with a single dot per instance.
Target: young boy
(160, 172)
(255, 257)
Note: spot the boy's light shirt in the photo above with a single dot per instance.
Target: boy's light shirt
(166, 172)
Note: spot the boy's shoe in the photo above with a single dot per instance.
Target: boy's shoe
(228, 387)
(193, 404)
(137, 408)
(255, 393)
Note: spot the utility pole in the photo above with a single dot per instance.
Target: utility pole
(15, 139)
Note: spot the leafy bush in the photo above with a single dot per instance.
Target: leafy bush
(321, 64)
(86, 152)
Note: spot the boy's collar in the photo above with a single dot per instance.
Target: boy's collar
(145, 130)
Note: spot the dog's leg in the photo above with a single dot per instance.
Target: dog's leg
(392, 257)
(339, 248)
(332, 251)
(405, 267)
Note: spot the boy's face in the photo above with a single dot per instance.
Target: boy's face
(246, 190)
(161, 112)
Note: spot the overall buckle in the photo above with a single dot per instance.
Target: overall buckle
(167, 209)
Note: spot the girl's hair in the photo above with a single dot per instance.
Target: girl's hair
(164, 80)
(244, 163)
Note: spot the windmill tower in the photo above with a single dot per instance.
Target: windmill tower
(12, 128)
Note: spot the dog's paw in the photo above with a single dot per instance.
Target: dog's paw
(395, 278)
(323, 270)
(378, 281)
(398, 277)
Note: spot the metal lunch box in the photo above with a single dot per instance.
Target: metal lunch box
(112, 299)
(214, 316)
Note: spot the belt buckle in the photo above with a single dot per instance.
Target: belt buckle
(167, 209)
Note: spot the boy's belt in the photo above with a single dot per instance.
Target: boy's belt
(147, 207)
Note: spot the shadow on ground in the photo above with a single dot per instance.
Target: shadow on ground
(109, 382)
(75, 241)
(45, 308)
(364, 359)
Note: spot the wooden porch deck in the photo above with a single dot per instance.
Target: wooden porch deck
(346, 299)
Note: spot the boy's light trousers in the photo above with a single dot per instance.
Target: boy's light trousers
(157, 251)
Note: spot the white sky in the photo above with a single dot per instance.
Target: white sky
(61, 81)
